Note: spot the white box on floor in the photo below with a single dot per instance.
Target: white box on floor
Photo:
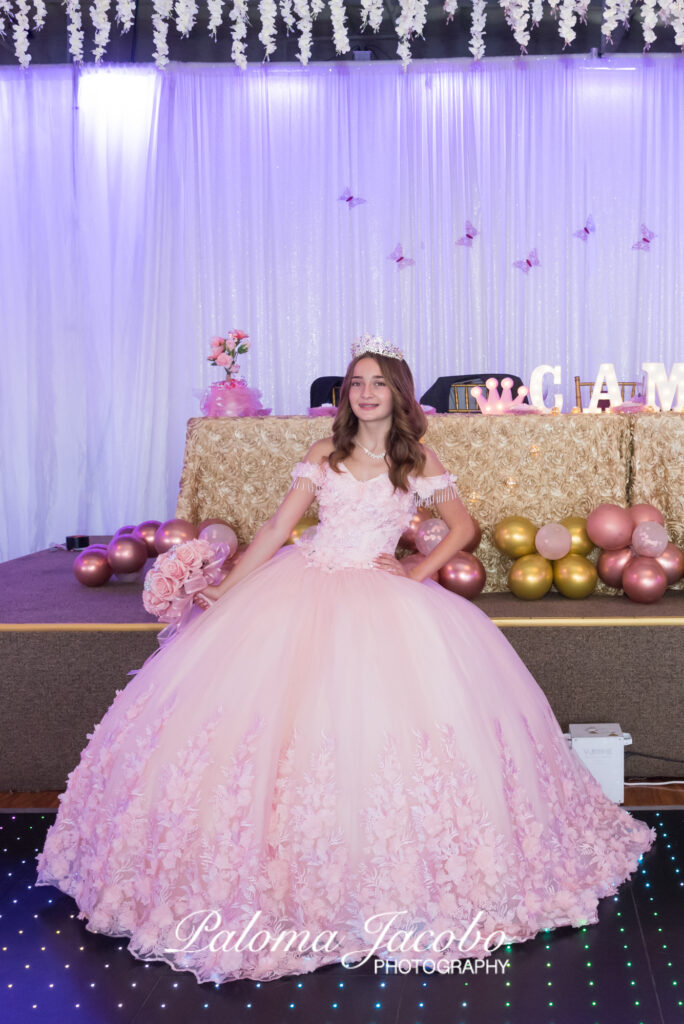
(601, 747)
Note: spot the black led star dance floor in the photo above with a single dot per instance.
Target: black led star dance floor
(627, 969)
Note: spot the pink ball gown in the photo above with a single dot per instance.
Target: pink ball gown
(334, 750)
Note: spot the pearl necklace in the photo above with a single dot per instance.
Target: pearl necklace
(373, 455)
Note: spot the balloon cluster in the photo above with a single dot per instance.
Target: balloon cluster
(636, 554)
(130, 547)
(464, 574)
(555, 554)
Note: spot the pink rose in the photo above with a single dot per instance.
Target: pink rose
(174, 570)
(224, 360)
(230, 344)
(189, 557)
(161, 587)
(152, 605)
(240, 335)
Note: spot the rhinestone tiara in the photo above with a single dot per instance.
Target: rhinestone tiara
(376, 345)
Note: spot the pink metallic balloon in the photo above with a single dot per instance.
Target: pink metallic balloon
(610, 527)
(645, 514)
(644, 580)
(410, 560)
(91, 568)
(125, 554)
(173, 531)
(649, 539)
(220, 533)
(145, 532)
(672, 561)
(553, 541)
(408, 537)
(475, 542)
(612, 564)
(429, 534)
(464, 575)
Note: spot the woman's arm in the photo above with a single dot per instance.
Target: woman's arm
(271, 536)
(462, 529)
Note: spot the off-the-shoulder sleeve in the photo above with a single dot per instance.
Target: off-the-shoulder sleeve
(307, 476)
(431, 490)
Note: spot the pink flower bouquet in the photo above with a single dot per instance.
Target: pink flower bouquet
(176, 576)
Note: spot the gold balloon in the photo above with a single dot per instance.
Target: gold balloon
(530, 577)
(577, 525)
(574, 576)
(514, 536)
(304, 523)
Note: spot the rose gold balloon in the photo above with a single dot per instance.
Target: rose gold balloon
(612, 564)
(125, 554)
(220, 533)
(124, 529)
(429, 534)
(475, 542)
(645, 514)
(610, 527)
(145, 532)
(672, 561)
(91, 568)
(464, 574)
(644, 580)
(408, 537)
(173, 531)
(410, 560)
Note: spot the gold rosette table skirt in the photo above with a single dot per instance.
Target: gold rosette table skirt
(542, 467)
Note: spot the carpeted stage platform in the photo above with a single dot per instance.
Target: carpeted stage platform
(65, 649)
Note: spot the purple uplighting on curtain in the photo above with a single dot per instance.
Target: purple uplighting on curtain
(146, 211)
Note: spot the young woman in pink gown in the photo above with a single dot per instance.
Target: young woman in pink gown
(339, 759)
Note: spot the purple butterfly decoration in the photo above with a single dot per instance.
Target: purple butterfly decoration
(587, 230)
(644, 242)
(398, 256)
(467, 239)
(351, 200)
(526, 265)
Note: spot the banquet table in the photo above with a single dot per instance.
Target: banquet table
(544, 467)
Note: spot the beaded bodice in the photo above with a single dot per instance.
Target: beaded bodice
(360, 519)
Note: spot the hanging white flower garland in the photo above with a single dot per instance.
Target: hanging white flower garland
(299, 14)
(477, 29)
(268, 12)
(238, 16)
(99, 14)
(340, 36)
(20, 33)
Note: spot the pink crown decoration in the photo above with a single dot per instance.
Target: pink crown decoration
(375, 345)
(496, 403)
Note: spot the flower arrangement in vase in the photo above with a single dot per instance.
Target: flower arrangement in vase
(230, 397)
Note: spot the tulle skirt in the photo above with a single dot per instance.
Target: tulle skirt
(329, 766)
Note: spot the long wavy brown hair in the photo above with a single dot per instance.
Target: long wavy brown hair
(404, 454)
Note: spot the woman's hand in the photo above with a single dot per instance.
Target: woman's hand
(391, 564)
(205, 598)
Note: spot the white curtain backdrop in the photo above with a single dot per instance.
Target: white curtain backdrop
(146, 211)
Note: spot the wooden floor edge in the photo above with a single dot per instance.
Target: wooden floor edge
(82, 627)
(503, 621)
